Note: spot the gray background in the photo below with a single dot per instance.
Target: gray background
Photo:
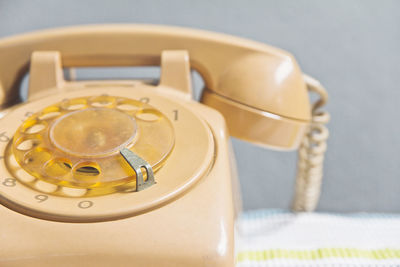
(350, 46)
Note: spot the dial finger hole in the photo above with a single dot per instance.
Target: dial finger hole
(28, 123)
(45, 187)
(74, 104)
(50, 113)
(86, 172)
(37, 157)
(149, 115)
(129, 105)
(102, 101)
(76, 107)
(12, 161)
(37, 128)
(24, 176)
(74, 192)
(58, 167)
(25, 145)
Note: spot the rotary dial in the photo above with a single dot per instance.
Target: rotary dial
(77, 160)
(77, 143)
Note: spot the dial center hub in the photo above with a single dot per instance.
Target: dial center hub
(93, 132)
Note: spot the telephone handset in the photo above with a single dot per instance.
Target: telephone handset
(125, 172)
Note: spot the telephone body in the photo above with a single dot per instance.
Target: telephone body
(122, 172)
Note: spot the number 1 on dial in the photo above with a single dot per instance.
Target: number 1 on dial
(175, 114)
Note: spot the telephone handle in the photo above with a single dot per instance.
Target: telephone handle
(241, 70)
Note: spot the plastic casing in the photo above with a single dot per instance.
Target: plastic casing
(194, 228)
(258, 89)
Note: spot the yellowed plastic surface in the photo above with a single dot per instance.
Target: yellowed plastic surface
(77, 142)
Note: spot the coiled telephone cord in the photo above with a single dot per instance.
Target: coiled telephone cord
(311, 153)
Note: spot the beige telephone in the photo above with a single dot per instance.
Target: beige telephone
(125, 173)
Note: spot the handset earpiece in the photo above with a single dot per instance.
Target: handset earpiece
(264, 100)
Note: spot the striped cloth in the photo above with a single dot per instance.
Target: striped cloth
(281, 238)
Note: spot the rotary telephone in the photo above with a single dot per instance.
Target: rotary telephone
(123, 172)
